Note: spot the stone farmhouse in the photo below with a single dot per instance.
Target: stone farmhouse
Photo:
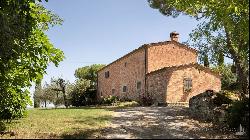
(167, 71)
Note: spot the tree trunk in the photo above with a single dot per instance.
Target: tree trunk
(239, 62)
(242, 76)
(64, 97)
(45, 103)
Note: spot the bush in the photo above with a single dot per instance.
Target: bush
(125, 99)
(146, 101)
(238, 113)
(221, 98)
(128, 104)
(109, 100)
(13, 105)
(228, 78)
(87, 97)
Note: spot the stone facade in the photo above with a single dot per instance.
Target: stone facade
(156, 69)
(125, 72)
(169, 54)
(167, 84)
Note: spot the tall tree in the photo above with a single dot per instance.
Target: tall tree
(205, 60)
(89, 73)
(61, 86)
(37, 93)
(78, 93)
(224, 20)
(25, 52)
(45, 94)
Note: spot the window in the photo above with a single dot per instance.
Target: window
(113, 91)
(187, 84)
(138, 85)
(107, 74)
(125, 64)
(124, 89)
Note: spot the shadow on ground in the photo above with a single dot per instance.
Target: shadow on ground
(153, 123)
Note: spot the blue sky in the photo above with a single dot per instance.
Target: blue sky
(101, 31)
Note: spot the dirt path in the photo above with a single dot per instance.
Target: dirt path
(159, 123)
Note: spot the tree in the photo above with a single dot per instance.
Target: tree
(205, 60)
(228, 78)
(224, 27)
(84, 89)
(220, 59)
(46, 95)
(79, 96)
(61, 86)
(89, 73)
(25, 52)
(38, 90)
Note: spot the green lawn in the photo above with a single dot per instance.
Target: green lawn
(60, 123)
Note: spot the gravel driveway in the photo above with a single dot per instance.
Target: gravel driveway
(159, 123)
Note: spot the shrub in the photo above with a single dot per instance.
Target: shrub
(87, 97)
(146, 101)
(221, 98)
(109, 100)
(125, 99)
(2, 126)
(128, 104)
(238, 113)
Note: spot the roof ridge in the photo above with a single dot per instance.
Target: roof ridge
(149, 45)
(184, 65)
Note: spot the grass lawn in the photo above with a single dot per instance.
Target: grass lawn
(60, 123)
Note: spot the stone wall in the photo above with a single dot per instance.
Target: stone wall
(164, 85)
(167, 84)
(202, 79)
(169, 54)
(157, 86)
(203, 107)
(124, 72)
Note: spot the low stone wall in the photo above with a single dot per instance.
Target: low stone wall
(203, 107)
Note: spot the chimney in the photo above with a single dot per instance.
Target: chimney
(174, 36)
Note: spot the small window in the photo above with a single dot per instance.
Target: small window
(124, 89)
(107, 74)
(187, 84)
(138, 85)
(125, 64)
(113, 91)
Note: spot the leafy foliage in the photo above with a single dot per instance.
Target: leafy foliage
(206, 61)
(25, 52)
(146, 100)
(79, 94)
(38, 90)
(109, 100)
(52, 92)
(45, 94)
(127, 104)
(221, 98)
(89, 72)
(224, 29)
(238, 114)
(83, 92)
(228, 79)
(60, 86)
